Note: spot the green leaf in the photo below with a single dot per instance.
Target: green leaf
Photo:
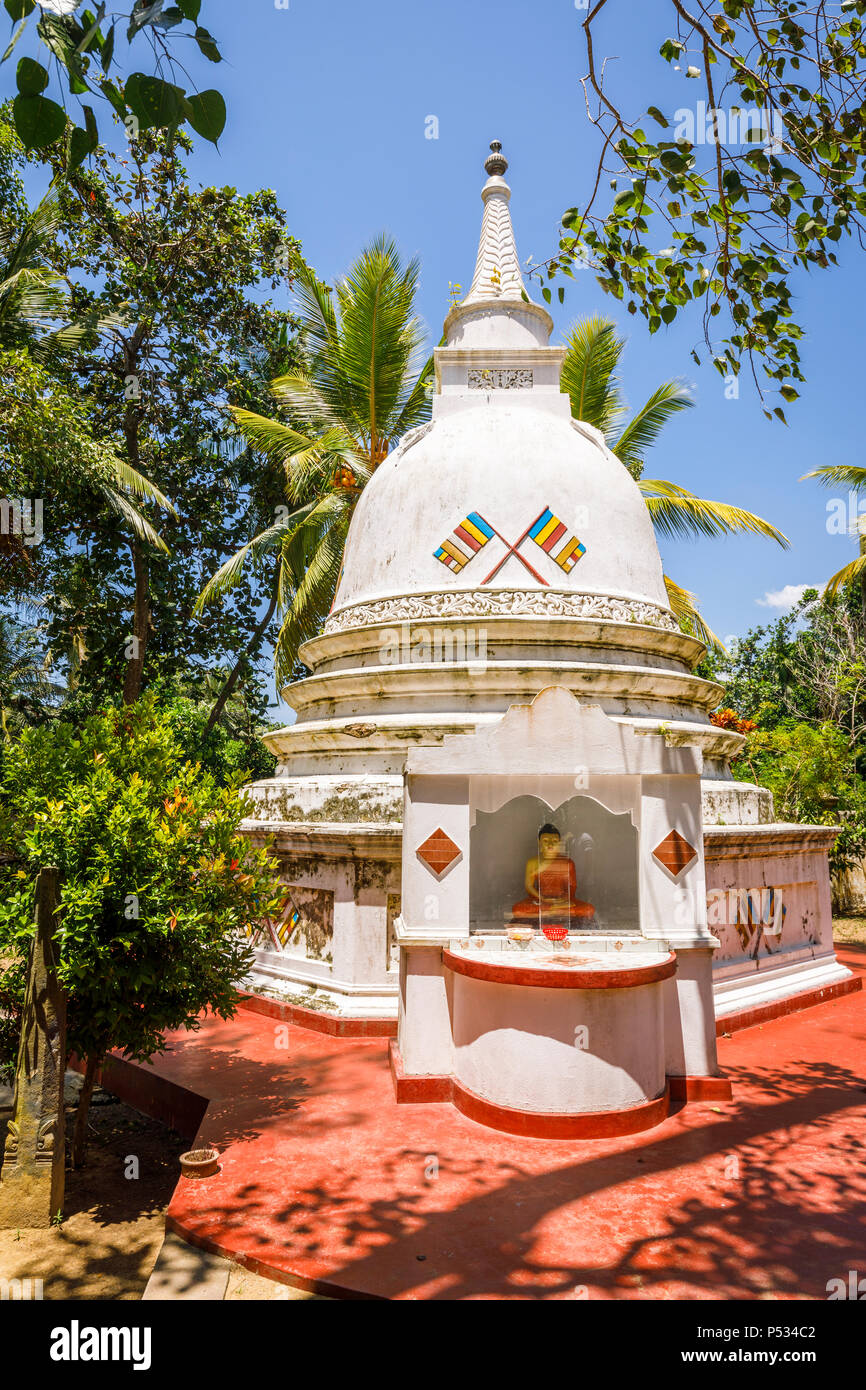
(143, 15)
(157, 104)
(208, 114)
(109, 90)
(38, 121)
(208, 45)
(92, 37)
(108, 49)
(20, 9)
(81, 144)
(190, 8)
(657, 116)
(12, 42)
(31, 77)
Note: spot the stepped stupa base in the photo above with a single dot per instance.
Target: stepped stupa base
(346, 961)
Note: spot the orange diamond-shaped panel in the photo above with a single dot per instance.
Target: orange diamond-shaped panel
(439, 851)
(674, 853)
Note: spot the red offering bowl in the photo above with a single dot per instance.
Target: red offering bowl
(555, 933)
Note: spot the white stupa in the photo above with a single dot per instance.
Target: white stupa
(501, 549)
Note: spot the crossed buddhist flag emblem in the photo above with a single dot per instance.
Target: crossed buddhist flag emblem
(547, 531)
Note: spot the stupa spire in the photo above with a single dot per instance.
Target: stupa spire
(497, 269)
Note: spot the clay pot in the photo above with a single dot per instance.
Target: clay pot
(199, 1163)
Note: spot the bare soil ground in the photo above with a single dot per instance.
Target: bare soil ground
(108, 1242)
(848, 929)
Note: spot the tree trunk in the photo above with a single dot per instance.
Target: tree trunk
(141, 625)
(863, 572)
(79, 1132)
(234, 676)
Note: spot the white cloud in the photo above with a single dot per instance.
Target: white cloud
(786, 598)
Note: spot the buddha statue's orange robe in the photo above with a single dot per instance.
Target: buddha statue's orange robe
(555, 884)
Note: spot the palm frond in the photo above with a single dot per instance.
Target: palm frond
(229, 574)
(132, 516)
(684, 606)
(312, 597)
(856, 571)
(644, 428)
(839, 475)
(589, 373)
(123, 475)
(678, 513)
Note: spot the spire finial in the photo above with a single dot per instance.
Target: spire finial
(496, 163)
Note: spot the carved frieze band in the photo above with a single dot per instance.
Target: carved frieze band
(501, 603)
(500, 378)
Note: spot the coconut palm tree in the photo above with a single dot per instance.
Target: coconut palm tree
(846, 475)
(591, 379)
(364, 384)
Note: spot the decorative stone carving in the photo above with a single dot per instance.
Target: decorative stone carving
(500, 378)
(501, 603)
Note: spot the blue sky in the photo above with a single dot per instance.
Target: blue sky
(328, 101)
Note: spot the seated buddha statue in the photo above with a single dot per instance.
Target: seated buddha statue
(551, 885)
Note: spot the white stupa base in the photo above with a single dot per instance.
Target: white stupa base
(764, 984)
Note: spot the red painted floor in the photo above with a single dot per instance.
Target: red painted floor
(327, 1183)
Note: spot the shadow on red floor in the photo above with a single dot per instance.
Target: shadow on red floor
(327, 1183)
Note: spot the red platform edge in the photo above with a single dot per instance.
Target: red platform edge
(138, 1085)
(608, 1124)
(780, 1008)
(335, 1025)
(695, 1088)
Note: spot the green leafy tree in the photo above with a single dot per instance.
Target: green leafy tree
(757, 174)
(363, 383)
(79, 46)
(45, 441)
(173, 283)
(802, 680)
(812, 773)
(590, 377)
(159, 890)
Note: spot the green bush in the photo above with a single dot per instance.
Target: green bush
(811, 771)
(158, 886)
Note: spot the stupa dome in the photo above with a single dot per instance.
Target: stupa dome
(502, 490)
(507, 467)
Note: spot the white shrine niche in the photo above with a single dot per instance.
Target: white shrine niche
(494, 1016)
(598, 828)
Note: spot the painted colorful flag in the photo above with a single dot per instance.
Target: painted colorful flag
(288, 924)
(474, 533)
(548, 531)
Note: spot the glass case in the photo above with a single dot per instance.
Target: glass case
(537, 860)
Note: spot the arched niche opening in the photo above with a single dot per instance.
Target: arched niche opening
(602, 844)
